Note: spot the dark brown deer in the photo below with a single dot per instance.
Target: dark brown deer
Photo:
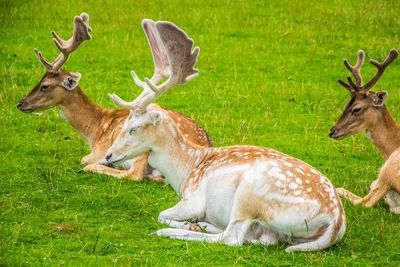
(99, 126)
(366, 110)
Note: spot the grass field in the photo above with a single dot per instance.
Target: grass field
(268, 74)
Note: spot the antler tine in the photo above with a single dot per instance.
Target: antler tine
(355, 70)
(181, 60)
(173, 58)
(81, 33)
(39, 56)
(120, 102)
(160, 57)
(381, 68)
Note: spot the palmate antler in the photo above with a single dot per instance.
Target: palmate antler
(355, 70)
(81, 33)
(173, 58)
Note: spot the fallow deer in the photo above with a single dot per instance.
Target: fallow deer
(98, 125)
(366, 110)
(238, 194)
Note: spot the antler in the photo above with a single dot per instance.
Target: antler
(357, 75)
(173, 58)
(81, 33)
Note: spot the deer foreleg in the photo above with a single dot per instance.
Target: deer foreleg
(92, 158)
(136, 172)
(182, 214)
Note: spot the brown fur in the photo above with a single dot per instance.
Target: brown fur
(367, 110)
(99, 126)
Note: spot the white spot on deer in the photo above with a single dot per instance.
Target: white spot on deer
(288, 164)
(299, 171)
(183, 146)
(197, 153)
(309, 189)
(276, 172)
(307, 181)
(273, 163)
(313, 171)
(297, 192)
(298, 181)
(289, 173)
(293, 186)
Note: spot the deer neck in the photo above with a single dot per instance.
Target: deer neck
(82, 114)
(385, 133)
(176, 157)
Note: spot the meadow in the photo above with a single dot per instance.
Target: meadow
(268, 77)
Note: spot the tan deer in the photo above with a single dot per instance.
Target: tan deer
(98, 125)
(237, 194)
(366, 110)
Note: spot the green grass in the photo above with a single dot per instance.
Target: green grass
(268, 76)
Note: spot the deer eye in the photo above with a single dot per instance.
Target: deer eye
(133, 130)
(356, 110)
(44, 87)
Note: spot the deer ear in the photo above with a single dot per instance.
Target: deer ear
(155, 117)
(71, 82)
(379, 98)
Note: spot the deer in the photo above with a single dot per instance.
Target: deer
(99, 126)
(228, 195)
(366, 110)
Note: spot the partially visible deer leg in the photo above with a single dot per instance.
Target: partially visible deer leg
(135, 173)
(348, 195)
(92, 158)
(374, 196)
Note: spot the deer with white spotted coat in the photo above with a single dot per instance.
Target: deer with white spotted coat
(99, 126)
(235, 194)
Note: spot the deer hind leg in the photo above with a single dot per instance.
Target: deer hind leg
(349, 195)
(374, 196)
(234, 235)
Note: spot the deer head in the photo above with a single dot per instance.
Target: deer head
(57, 84)
(365, 106)
(173, 59)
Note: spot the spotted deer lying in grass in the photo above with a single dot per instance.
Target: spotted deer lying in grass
(237, 194)
(98, 125)
(367, 110)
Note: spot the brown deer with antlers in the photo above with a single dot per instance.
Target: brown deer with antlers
(367, 110)
(98, 125)
(237, 194)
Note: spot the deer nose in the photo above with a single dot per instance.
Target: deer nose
(19, 105)
(108, 157)
(332, 131)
